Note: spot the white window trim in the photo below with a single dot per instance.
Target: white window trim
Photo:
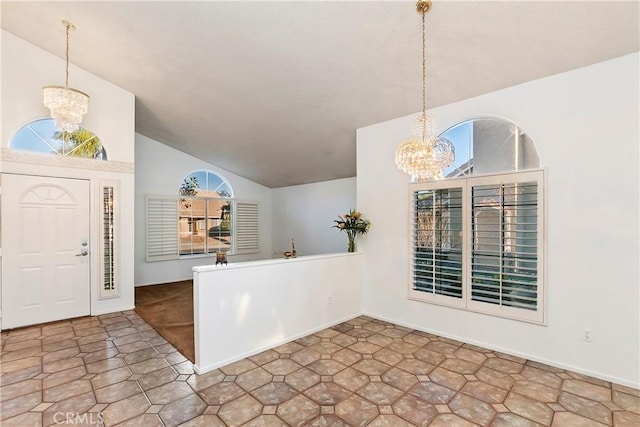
(537, 316)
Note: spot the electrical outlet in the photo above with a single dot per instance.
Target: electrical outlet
(329, 300)
(587, 336)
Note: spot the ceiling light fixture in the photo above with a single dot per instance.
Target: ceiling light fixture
(424, 156)
(66, 105)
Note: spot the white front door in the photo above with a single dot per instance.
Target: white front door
(45, 249)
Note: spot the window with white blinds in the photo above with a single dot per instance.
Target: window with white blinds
(477, 243)
(437, 242)
(187, 226)
(162, 227)
(504, 253)
(246, 238)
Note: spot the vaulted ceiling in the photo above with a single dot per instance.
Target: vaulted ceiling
(274, 91)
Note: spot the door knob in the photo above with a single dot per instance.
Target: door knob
(83, 253)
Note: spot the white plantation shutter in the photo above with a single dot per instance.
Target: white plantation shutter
(506, 237)
(162, 227)
(246, 229)
(478, 243)
(437, 244)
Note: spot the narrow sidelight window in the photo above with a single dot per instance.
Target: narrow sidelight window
(109, 248)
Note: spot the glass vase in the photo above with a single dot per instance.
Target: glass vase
(352, 243)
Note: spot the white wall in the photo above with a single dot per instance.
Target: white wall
(25, 70)
(306, 213)
(585, 125)
(251, 307)
(161, 169)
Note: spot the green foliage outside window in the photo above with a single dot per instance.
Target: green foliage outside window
(79, 143)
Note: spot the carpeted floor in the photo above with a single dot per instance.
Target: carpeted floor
(168, 308)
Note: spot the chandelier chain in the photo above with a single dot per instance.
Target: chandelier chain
(424, 68)
(66, 80)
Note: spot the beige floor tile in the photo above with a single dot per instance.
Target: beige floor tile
(239, 411)
(400, 379)
(429, 356)
(585, 407)
(327, 394)
(118, 391)
(626, 401)
(536, 390)
(27, 419)
(125, 409)
(510, 420)
(182, 410)
(274, 393)
(529, 408)
(625, 419)
(380, 393)
(19, 405)
(78, 404)
(221, 393)
(298, 410)
(432, 393)
(20, 389)
(281, 367)
(66, 390)
(326, 367)
(371, 367)
(148, 366)
(569, 419)
(144, 420)
(111, 377)
(472, 409)
(447, 378)
(168, 392)
(415, 410)
(361, 372)
(485, 392)
(587, 389)
(20, 354)
(238, 367)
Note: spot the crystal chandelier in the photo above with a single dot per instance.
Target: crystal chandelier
(66, 105)
(424, 156)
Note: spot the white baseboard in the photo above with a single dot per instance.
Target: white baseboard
(204, 369)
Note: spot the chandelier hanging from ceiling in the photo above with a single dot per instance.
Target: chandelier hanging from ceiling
(66, 105)
(424, 155)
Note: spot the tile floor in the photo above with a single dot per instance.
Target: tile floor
(116, 370)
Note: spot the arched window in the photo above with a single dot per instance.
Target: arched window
(489, 145)
(205, 184)
(41, 136)
(205, 214)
